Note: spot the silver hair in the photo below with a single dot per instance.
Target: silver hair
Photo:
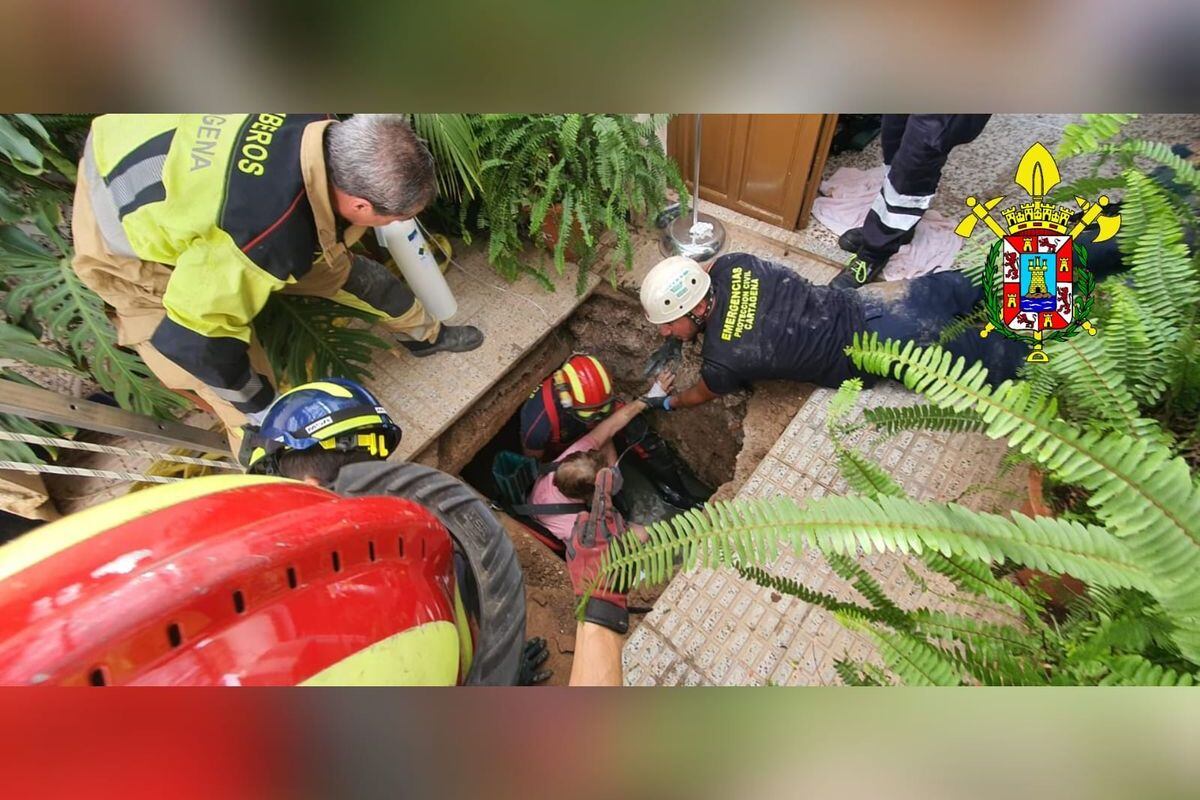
(379, 158)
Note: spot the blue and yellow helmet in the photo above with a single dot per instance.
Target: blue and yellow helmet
(333, 414)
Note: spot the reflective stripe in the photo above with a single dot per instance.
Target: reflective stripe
(894, 198)
(603, 374)
(128, 188)
(103, 207)
(892, 219)
(243, 395)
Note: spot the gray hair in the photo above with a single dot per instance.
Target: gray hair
(378, 157)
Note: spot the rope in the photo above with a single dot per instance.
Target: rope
(52, 469)
(71, 444)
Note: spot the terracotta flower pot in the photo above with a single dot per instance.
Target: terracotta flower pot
(549, 233)
(1060, 589)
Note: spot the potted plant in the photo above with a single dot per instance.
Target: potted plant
(561, 181)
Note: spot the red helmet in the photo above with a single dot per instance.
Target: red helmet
(583, 386)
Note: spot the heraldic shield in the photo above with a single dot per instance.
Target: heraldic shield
(1039, 268)
(1036, 285)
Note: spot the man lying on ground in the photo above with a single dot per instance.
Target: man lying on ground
(763, 321)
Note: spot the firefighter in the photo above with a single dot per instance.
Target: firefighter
(763, 321)
(579, 396)
(186, 224)
(915, 148)
(312, 431)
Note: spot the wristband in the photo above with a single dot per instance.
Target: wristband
(607, 614)
(667, 403)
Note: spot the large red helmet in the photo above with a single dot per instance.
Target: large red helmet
(234, 580)
(583, 386)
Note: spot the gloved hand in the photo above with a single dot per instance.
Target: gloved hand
(250, 440)
(671, 350)
(532, 657)
(589, 542)
(664, 382)
(662, 402)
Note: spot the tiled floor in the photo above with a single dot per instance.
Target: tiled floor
(712, 627)
(426, 394)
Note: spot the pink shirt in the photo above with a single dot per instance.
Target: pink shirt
(545, 492)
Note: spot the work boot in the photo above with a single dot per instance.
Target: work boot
(858, 273)
(852, 240)
(451, 338)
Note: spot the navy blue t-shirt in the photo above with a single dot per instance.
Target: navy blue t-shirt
(770, 323)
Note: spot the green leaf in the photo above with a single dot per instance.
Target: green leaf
(21, 345)
(17, 148)
(303, 339)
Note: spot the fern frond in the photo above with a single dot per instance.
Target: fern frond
(892, 419)
(843, 400)
(882, 606)
(1134, 670)
(852, 674)
(1088, 186)
(976, 578)
(1088, 136)
(915, 662)
(865, 476)
(791, 588)
(1093, 385)
(957, 327)
(752, 533)
(1185, 172)
(1138, 489)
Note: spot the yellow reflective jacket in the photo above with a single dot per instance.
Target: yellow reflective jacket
(236, 204)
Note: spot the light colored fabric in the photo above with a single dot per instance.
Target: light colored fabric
(545, 493)
(845, 199)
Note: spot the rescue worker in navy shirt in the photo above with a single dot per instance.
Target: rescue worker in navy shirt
(763, 321)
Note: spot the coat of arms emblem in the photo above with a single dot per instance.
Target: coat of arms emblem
(1036, 283)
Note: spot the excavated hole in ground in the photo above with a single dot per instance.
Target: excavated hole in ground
(723, 441)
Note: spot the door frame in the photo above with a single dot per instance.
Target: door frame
(811, 145)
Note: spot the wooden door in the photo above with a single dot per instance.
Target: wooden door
(767, 166)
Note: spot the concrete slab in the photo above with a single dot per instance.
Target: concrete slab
(725, 630)
(427, 394)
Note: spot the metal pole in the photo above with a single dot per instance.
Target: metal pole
(696, 178)
(37, 403)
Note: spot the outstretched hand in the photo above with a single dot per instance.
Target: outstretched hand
(664, 382)
(589, 541)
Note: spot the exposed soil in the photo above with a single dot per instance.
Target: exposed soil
(549, 600)
(611, 326)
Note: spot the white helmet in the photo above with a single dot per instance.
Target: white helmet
(673, 288)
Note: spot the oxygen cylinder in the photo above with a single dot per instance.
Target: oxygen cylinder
(416, 262)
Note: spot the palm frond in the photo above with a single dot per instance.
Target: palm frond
(451, 139)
